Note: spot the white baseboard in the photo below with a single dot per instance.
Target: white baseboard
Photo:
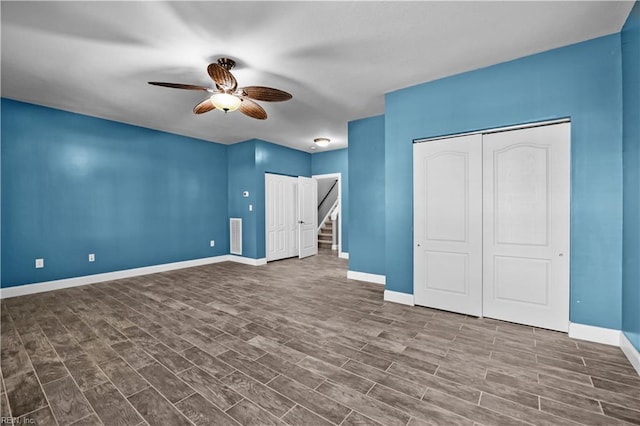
(397, 297)
(23, 290)
(364, 276)
(343, 255)
(607, 336)
(247, 260)
(631, 352)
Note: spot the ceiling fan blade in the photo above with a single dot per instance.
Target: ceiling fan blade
(204, 106)
(180, 86)
(222, 77)
(252, 109)
(268, 94)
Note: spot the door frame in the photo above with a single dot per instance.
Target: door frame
(496, 129)
(339, 177)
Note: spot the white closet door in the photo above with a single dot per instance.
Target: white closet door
(448, 224)
(526, 226)
(308, 216)
(280, 216)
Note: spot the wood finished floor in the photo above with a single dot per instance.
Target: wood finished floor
(293, 342)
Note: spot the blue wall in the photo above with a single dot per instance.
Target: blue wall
(581, 81)
(631, 148)
(75, 185)
(367, 200)
(336, 161)
(242, 177)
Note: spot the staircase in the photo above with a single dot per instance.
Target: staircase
(325, 236)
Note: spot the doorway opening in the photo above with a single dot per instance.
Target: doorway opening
(329, 212)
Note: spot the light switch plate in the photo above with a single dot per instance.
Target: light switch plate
(92, 257)
(39, 263)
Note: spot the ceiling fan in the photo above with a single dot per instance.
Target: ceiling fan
(227, 96)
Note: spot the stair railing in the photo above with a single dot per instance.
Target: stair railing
(327, 201)
(327, 194)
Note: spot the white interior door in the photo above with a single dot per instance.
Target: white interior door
(526, 226)
(281, 220)
(307, 216)
(448, 224)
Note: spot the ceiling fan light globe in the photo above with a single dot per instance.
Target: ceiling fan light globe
(225, 101)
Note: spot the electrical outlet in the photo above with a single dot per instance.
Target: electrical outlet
(212, 243)
(92, 257)
(250, 207)
(39, 263)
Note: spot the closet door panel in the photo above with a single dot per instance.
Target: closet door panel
(526, 226)
(280, 217)
(447, 224)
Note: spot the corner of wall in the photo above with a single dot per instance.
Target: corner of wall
(631, 352)
(630, 43)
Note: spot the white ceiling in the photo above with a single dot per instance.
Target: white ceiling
(336, 58)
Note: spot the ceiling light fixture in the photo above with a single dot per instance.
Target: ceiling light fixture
(322, 142)
(225, 101)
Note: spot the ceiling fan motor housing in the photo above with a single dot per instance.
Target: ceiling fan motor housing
(226, 63)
